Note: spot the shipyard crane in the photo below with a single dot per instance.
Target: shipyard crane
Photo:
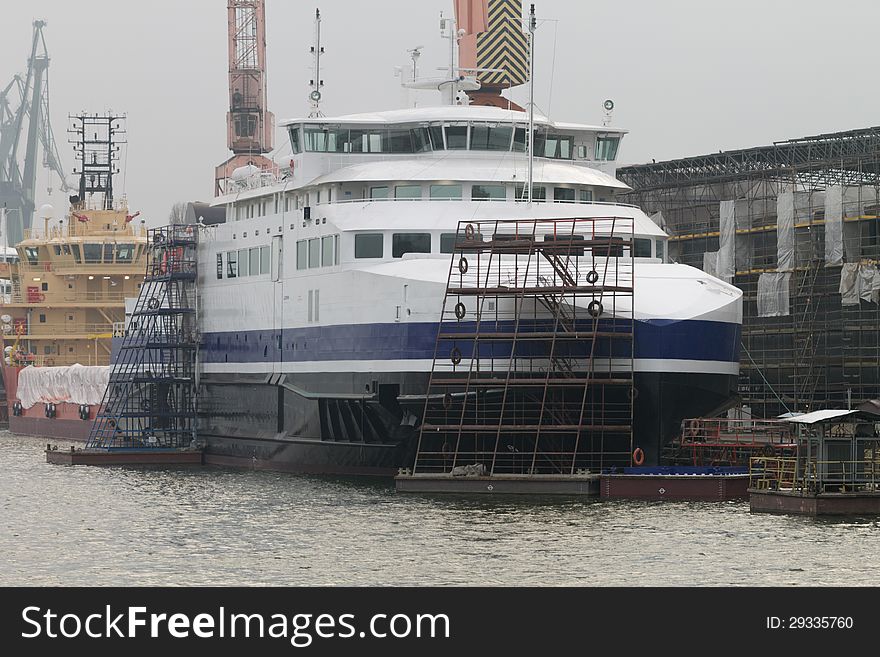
(250, 126)
(30, 97)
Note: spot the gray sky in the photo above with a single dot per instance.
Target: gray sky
(687, 76)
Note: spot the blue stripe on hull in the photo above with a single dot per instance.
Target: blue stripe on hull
(654, 339)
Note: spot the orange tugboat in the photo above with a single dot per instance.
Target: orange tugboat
(67, 294)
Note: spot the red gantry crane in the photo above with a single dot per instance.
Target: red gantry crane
(250, 126)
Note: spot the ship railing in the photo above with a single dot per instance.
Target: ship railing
(747, 432)
(65, 232)
(814, 476)
(462, 199)
(38, 330)
(39, 297)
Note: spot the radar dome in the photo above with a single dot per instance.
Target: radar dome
(46, 211)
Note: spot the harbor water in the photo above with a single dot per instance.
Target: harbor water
(126, 526)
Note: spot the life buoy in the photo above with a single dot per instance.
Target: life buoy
(691, 428)
(455, 355)
(595, 308)
(469, 232)
(460, 310)
(463, 265)
(592, 276)
(638, 456)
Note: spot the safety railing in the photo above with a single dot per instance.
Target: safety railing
(39, 297)
(812, 476)
(739, 432)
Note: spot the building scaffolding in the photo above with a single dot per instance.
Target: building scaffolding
(795, 225)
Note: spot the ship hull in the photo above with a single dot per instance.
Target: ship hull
(314, 423)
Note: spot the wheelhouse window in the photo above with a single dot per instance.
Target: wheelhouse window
(378, 192)
(108, 253)
(659, 250)
(295, 145)
(563, 195)
(641, 248)
(445, 192)
(539, 193)
(32, 254)
(91, 252)
(448, 240)
(408, 191)
(368, 245)
(519, 140)
(456, 137)
(488, 193)
(264, 259)
(435, 132)
(490, 138)
(586, 195)
(606, 148)
(124, 252)
(410, 243)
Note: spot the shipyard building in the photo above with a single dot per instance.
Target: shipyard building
(796, 226)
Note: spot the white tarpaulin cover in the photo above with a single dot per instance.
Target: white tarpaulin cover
(773, 294)
(710, 263)
(834, 226)
(743, 244)
(785, 231)
(75, 384)
(859, 281)
(726, 265)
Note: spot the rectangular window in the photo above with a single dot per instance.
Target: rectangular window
(314, 253)
(264, 259)
(445, 192)
(488, 193)
(378, 192)
(243, 269)
(219, 266)
(539, 193)
(436, 134)
(456, 137)
(317, 305)
(255, 261)
(421, 140)
(586, 195)
(606, 148)
(91, 253)
(42, 319)
(294, 139)
(519, 140)
(563, 195)
(327, 251)
(408, 191)
(311, 301)
(57, 249)
(232, 264)
(410, 243)
(400, 141)
(641, 248)
(124, 252)
(486, 138)
(658, 250)
(318, 199)
(76, 253)
(368, 245)
(447, 242)
(302, 254)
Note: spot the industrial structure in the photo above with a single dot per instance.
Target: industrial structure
(532, 379)
(250, 125)
(795, 225)
(24, 102)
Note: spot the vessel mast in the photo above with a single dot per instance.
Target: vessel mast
(316, 83)
(531, 136)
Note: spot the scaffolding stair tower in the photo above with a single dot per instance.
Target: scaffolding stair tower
(150, 402)
(531, 387)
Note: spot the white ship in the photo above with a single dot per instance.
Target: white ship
(321, 292)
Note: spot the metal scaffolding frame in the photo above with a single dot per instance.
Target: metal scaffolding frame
(533, 365)
(811, 351)
(150, 402)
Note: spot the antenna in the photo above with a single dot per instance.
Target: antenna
(316, 83)
(414, 54)
(608, 106)
(532, 25)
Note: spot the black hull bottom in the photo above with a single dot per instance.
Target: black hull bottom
(367, 424)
